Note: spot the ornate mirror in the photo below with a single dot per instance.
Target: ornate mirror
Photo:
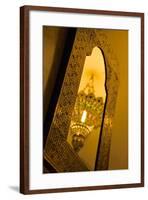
(79, 127)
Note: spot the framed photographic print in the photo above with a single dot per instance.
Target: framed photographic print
(82, 99)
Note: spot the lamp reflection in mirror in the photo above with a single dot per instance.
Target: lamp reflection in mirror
(86, 116)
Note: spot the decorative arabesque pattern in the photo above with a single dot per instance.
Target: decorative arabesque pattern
(57, 150)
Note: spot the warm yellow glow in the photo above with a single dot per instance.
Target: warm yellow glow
(94, 65)
(83, 118)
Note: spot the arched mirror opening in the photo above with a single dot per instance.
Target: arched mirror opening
(87, 115)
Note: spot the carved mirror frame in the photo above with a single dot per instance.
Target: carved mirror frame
(58, 151)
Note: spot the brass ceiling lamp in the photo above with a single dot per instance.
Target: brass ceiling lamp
(86, 115)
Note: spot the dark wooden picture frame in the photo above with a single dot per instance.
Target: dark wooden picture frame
(24, 98)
